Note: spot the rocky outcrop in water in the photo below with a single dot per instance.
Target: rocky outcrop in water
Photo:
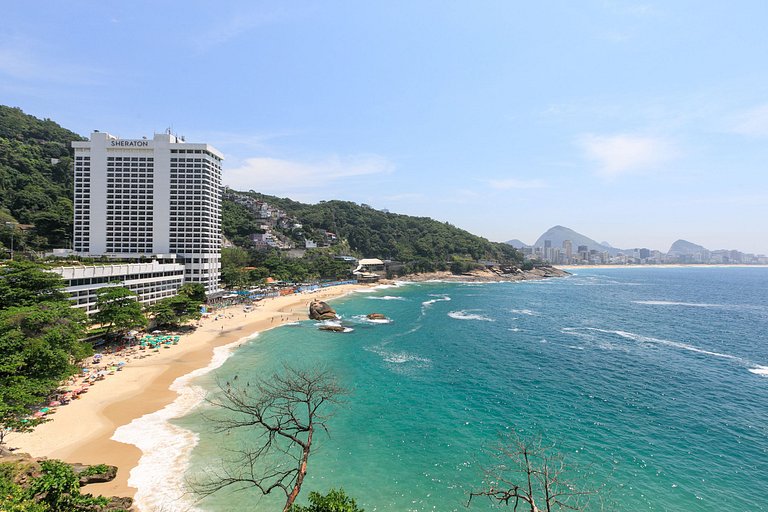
(319, 310)
(332, 328)
(375, 316)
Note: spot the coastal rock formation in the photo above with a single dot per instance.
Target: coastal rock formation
(319, 310)
(332, 328)
(492, 274)
(375, 316)
(22, 469)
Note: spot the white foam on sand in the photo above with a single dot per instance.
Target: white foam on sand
(468, 315)
(166, 448)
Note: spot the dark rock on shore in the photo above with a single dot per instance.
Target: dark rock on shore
(491, 274)
(24, 468)
(319, 310)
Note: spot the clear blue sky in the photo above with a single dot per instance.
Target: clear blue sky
(636, 123)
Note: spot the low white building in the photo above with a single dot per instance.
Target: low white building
(150, 281)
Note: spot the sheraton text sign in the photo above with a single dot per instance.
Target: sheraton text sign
(129, 143)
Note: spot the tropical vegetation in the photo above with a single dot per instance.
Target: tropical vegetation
(40, 341)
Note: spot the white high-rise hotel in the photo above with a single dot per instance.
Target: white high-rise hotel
(142, 197)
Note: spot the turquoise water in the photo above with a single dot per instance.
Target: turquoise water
(654, 379)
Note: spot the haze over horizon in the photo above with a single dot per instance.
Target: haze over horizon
(637, 123)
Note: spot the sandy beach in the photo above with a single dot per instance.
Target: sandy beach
(81, 430)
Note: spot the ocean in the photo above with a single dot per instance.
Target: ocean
(651, 382)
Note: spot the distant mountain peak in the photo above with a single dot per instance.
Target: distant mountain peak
(684, 247)
(558, 234)
(517, 244)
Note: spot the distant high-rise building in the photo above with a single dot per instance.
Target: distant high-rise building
(568, 248)
(141, 197)
(583, 252)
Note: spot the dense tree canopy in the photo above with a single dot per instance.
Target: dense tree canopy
(23, 284)
(118, 309)
(174, 311)
(36, 179)
(423, 243)
(39, 341)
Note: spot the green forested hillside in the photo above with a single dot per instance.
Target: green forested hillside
(36, 189)
(35, 180)
(420, 241)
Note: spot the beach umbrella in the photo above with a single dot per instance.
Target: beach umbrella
(55, 403)
(38, 414)
(98, 356)
(121, 363)
(44, 410)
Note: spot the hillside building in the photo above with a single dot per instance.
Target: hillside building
(137, 198)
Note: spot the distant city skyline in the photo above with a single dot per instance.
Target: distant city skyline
(635, 122)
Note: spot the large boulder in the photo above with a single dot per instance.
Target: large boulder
(375, 316)
(319, 310)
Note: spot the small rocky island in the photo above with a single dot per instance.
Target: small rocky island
(319, 310)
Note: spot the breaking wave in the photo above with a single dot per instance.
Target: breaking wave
(165, 447)
(670, 303)
(441, 298)
(578, 331)
(467, 315)
(365, 320)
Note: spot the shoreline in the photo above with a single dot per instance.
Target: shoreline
(661, 265)
(82, 431)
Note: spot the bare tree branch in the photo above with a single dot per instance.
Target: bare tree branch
(530, 474)
(284, 410)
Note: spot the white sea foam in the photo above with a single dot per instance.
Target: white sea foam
(404, 357)
(166, 448)
(514, 329)
(365, 320)
(760, 370)
(441, 298)
(468, 315)
(387, 297)
(670, 303)
(400, 358)
(523, 312)
(647, 339)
